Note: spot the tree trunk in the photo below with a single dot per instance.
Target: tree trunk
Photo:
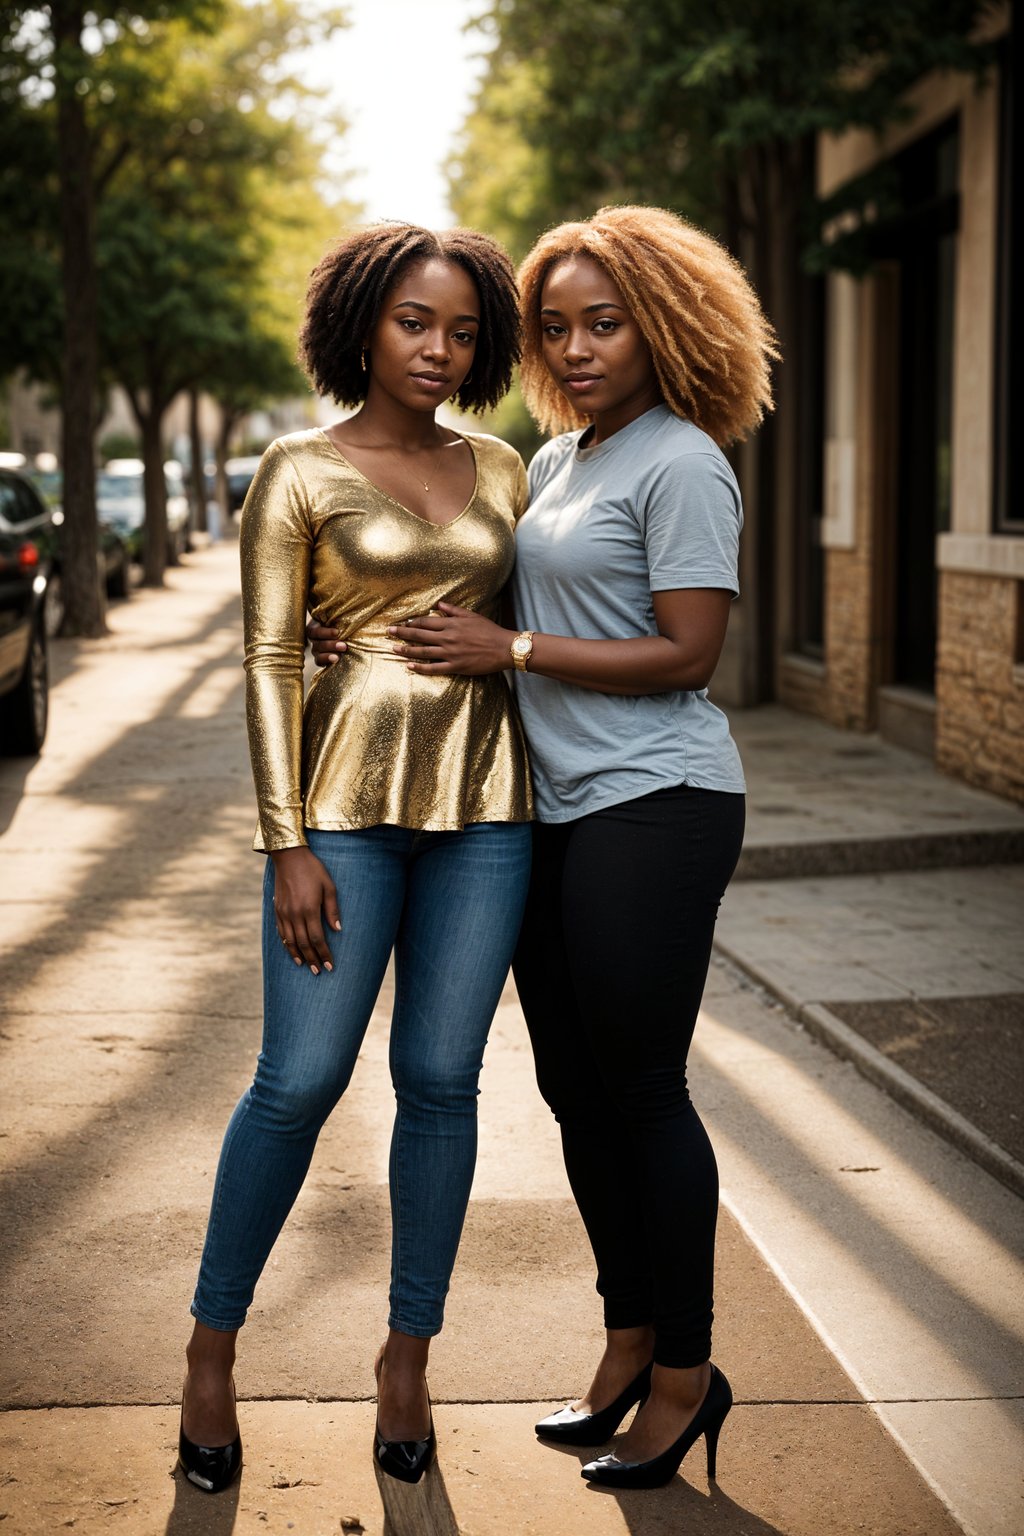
(83, 590)
(154, 554)
(197, 479)
(228, 418)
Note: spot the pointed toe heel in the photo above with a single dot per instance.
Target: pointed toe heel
(209, 1467)
(406, 1460)
(567, 1427)
(610, 1472)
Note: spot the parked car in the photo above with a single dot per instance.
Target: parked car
(114, 557)
(239, 473)
(24, 580)
(121, 502)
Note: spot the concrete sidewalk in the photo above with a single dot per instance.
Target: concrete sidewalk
(866, 1300)
(913, 964)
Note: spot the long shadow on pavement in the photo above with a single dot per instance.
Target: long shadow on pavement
(679, 1505)
(201, 1514)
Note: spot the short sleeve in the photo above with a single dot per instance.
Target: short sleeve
(548, 460)
(521, 493)
(690, 519)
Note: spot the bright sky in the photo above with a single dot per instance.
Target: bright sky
(403, 74)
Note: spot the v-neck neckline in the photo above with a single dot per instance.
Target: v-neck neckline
(426, 521)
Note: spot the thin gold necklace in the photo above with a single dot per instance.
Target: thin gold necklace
(381, 447)
(437, 466)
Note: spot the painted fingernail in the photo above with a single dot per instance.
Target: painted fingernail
(328, 967)
(391, 629)
(338, 926)
(315, 969)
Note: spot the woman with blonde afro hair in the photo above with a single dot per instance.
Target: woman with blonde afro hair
(711, 346)
(645, 350)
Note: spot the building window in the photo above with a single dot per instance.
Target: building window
(1009, 396)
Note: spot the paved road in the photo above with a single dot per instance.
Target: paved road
(867, 1271)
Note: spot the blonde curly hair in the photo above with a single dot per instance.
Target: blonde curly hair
(711, 345)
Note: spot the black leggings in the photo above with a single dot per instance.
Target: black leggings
(610, 968)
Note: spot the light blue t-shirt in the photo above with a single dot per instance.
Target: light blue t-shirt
(654, 508)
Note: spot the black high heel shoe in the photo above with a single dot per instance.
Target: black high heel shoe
(405, 1459)
(707, 1421)
(210, 1467)
(568, 1427)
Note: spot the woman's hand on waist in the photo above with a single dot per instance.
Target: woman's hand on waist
(453, 640)
(327, 648)
(303, 892)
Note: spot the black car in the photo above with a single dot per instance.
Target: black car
(24, 580)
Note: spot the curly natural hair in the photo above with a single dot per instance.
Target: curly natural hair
(347, 287)
(711, 345)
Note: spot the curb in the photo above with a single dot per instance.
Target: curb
(881, 855)
(887, 1075)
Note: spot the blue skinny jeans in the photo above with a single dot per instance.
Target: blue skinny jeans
(449, 904)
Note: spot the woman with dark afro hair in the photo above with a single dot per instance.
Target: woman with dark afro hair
(394, 808)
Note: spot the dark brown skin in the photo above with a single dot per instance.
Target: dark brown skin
(418, 354)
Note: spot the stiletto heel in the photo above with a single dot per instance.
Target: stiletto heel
(707, 1421)
(405, 1459)
(711, 1443)
(568, 1427)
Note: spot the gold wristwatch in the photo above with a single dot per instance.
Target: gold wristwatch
(522, 649)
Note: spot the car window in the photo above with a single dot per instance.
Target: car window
(7, 508)
(19, 503)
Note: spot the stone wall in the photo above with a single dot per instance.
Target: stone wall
(980, 681)
(851, 637)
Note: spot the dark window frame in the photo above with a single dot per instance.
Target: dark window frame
(1007, 513)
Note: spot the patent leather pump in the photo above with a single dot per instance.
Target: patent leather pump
(405, 1459)
(569, 1427)
(707, 1421)
(210, 1467)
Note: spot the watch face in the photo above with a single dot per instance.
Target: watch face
(521, 646)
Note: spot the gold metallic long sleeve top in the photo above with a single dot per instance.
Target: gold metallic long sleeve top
(373, 742)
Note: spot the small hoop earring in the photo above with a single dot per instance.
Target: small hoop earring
(362, 359)
(466, 380)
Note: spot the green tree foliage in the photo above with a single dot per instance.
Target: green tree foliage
(711, 108)
(48, 93)
(705, 106)
(202, 163)
(211, 166)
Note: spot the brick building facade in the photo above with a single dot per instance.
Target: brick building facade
(899, 607)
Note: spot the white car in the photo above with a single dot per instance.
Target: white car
(121, 502)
